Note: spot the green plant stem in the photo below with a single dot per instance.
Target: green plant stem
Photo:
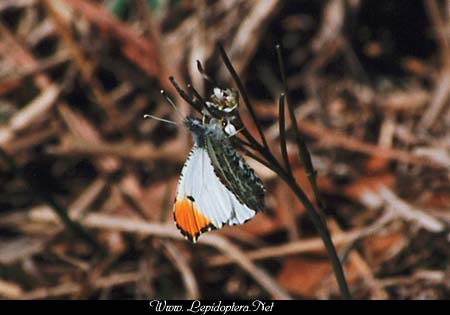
(322, 229)
(305, 156)
(316, 219)
(283, 146)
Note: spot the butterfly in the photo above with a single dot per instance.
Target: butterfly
(216, 187)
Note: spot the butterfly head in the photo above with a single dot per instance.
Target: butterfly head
(197, 129)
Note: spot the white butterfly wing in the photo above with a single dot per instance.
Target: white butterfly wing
(202, 201)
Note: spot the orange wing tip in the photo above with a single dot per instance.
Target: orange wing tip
(189, 220)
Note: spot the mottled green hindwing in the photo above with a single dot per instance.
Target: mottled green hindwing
(234, 172)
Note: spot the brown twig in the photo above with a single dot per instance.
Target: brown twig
(33, 110)
(408, 212)
(133, 151)
(244, 44)
(22, 57)
(187, 275)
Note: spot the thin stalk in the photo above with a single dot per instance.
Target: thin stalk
(205, 75)
(322, 229)
(316, 219)
(252, 141)
(305, 156)
(255, 157)
(241, 89)
(184, 95)
(196, 94)
(283, 146)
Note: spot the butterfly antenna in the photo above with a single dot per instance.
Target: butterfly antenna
(171, 103)
(161, 119)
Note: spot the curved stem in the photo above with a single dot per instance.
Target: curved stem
(322, 229)
(316, 219)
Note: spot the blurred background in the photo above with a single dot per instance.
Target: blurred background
(87, 184)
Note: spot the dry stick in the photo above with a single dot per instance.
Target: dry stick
(409, 213)
(292, 248)
(10, 82)
(87, 197)
(251, 27)
(186, 273)
(20, 248)
(434, 276)
(138, 151)
(32, 111)
(333, 20)
(86, 68)
(22, 57)
(438, 100)
(33, 139)
(101, 221)
(76, 262)
(83, 130)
